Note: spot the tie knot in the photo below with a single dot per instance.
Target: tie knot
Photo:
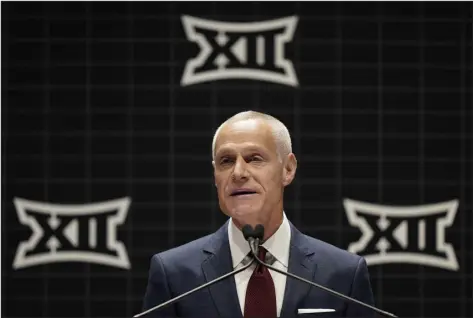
(262, 253)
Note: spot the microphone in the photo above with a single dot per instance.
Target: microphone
(249, 235)
(253, 236)
(344, 297)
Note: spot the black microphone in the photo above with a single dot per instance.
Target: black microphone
(253, 236)
(344, 297)
(249, 234)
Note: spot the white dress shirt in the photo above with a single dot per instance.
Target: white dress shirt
(277, 245)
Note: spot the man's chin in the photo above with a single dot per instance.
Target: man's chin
(247, 215)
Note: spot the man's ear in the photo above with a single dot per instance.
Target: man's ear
(290, 167)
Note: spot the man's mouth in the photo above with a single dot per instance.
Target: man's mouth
(242, 192)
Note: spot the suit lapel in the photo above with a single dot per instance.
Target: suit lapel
(224, 293)
(302, 265)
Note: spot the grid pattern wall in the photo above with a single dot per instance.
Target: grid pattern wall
(93, 110)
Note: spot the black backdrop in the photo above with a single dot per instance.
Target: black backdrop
(94, 110)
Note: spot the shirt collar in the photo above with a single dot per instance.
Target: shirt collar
(277, 245)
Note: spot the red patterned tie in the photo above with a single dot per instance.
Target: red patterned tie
(260, 301)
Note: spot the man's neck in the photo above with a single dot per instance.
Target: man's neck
(270, 226)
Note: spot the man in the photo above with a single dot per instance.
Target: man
(253, 163)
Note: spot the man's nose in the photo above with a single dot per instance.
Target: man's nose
(240, 171)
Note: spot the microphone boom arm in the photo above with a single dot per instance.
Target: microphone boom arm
(388, 314)
(175, 299)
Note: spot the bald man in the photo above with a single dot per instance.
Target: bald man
(253, 163)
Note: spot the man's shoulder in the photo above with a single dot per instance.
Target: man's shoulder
(184, 253)
(331, 255)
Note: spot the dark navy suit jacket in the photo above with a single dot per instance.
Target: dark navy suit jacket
(183, 268)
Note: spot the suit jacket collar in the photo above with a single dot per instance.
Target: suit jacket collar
(218, 263)
(302, 262)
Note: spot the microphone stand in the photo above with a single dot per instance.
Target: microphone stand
(175, 299)
(382, 312)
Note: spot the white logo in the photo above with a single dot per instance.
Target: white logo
(403, 234)
(72, 233)
(240, 50)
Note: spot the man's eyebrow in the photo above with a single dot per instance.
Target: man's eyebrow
(248, 151)
(224, 151)
(256, 149)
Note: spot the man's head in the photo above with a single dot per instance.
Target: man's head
(253, 163)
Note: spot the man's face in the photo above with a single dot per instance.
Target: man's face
(249, 175)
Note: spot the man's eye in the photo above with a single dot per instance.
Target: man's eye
(256, 158)
(224, 161)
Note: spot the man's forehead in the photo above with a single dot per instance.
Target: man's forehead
(241, 147)
(251, 133)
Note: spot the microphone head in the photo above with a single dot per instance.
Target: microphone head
(259, 232)
(248, 232)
